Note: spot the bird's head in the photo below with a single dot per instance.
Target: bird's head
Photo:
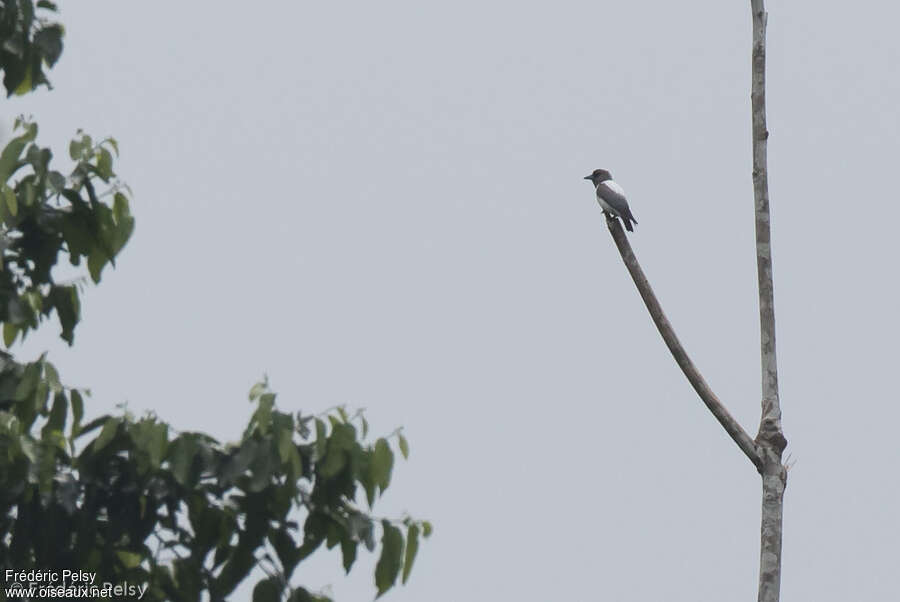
(599, 175)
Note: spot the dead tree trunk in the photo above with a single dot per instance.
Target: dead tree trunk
(765, 451)
(770, 438)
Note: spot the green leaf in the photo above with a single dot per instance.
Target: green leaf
(261, 469)
(301, 595)
(121, 212)
(104, 164)
(264, 411)
(412, 547)
(75, 149)
(267, 590)
(381, 465)
(46, 468)
(285, 445)
(369, 487)
(57, 181)
(26, 9)
(49, 41)
(258, 389)
(239, 564)
(77, 409)
(57, 419)
(285, 547)
(96, 260)
(404, 446)
(107, 433)
(426, 528)
(15, 46)
(181, 456)
(129, 559)
(348, 553)
(29, 381)
(25, 87)
(334, 533)
(75, 229)
(289, 454)
(41, 393)
(94, 424)
(388, 566)
(152, 438)
(28, 193)
(336, 451)
(10, 156)
(313, 530)
(51, 375)
(321, 438)
(123, 232)
(68, 309)
(34, 300)
(9, 200)
(10, 331)
(31, 450)
(239, 462)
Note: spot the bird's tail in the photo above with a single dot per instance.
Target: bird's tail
(627, 218)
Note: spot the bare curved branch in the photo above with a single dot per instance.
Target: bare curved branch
(737, 433)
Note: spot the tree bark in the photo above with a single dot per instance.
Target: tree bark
(766, 450)
(770, 439)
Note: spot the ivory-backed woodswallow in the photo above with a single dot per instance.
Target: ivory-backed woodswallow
(611, 197)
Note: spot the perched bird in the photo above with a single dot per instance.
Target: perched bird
(611, 197)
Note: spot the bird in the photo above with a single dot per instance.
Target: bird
(611, 197)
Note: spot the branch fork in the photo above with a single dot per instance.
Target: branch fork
(765, 451)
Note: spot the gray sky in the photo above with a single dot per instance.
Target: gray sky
(381, 204)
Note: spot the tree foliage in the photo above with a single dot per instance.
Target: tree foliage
(135, 501)
(45, 214)
(131, 498)
(29, 42)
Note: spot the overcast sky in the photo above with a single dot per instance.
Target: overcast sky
(381, 204)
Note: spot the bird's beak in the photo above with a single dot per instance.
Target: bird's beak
(588, 177)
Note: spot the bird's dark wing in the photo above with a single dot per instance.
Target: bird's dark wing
(614, 196)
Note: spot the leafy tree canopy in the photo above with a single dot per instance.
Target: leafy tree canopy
(131, 498)
(29, 42)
